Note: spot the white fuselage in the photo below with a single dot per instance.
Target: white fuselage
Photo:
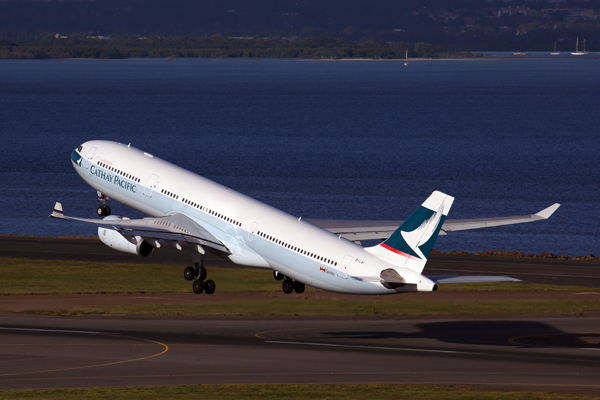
(256, 234)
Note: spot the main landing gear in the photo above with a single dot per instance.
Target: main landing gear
(289, 285)
(104, 209)
(197, 273)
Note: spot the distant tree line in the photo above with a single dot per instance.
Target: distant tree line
(219, 47)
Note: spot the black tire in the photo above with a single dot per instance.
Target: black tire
(278, 276)
(299, 287)
(100, 211)
(201, 273)
(287, 286)
(189, 273)
(198, 286)
(107, 210)
(209, 286)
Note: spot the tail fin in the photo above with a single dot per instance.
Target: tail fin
(410, 245)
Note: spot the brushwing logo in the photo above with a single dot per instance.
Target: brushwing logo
(76, 157)
(423, 233)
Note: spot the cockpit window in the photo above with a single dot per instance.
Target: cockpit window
(79, 148)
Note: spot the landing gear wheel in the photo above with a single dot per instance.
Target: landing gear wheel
(278, 276)
(198, 286)
(103, 211)
(209, 287)
(287, 286)
(299, 287)
(189, 273)
(201, 273)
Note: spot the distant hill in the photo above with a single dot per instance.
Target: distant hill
(464, 25)
(319, 47)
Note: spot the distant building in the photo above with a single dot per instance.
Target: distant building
(574, 14)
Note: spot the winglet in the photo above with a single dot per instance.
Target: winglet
(547, 212)
(58, 211)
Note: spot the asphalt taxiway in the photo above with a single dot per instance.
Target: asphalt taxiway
(511, 353)
(523, 352)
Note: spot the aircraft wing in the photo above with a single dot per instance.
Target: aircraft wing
(174, 228)
(365, 230)
(357, 230)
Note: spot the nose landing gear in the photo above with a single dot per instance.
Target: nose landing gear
(104, 210)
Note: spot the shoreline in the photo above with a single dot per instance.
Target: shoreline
(485, 57)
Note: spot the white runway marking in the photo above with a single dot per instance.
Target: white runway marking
(372, 347)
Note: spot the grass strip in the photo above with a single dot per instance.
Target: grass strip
(291, 391)
(23, 276)
(334, 308)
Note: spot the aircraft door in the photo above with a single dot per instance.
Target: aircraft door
(89, 156)
(150, 185)
(343, 266)
(252, 231)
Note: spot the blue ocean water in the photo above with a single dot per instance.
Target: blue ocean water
(318, 139)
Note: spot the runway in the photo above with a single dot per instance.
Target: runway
(522, 354)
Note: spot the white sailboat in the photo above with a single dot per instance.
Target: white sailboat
(555, 53)
(577, 52)
(406, 59)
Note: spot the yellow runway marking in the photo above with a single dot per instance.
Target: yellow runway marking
(166, 348)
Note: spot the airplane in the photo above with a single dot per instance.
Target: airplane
(190, 210)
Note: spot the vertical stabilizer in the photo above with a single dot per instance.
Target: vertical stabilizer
(410, 245)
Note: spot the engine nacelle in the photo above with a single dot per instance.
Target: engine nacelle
(115, 240)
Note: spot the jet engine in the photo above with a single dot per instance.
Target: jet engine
(115, 240)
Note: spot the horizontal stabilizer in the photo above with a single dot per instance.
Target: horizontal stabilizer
(391, 279)
(471, 279)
